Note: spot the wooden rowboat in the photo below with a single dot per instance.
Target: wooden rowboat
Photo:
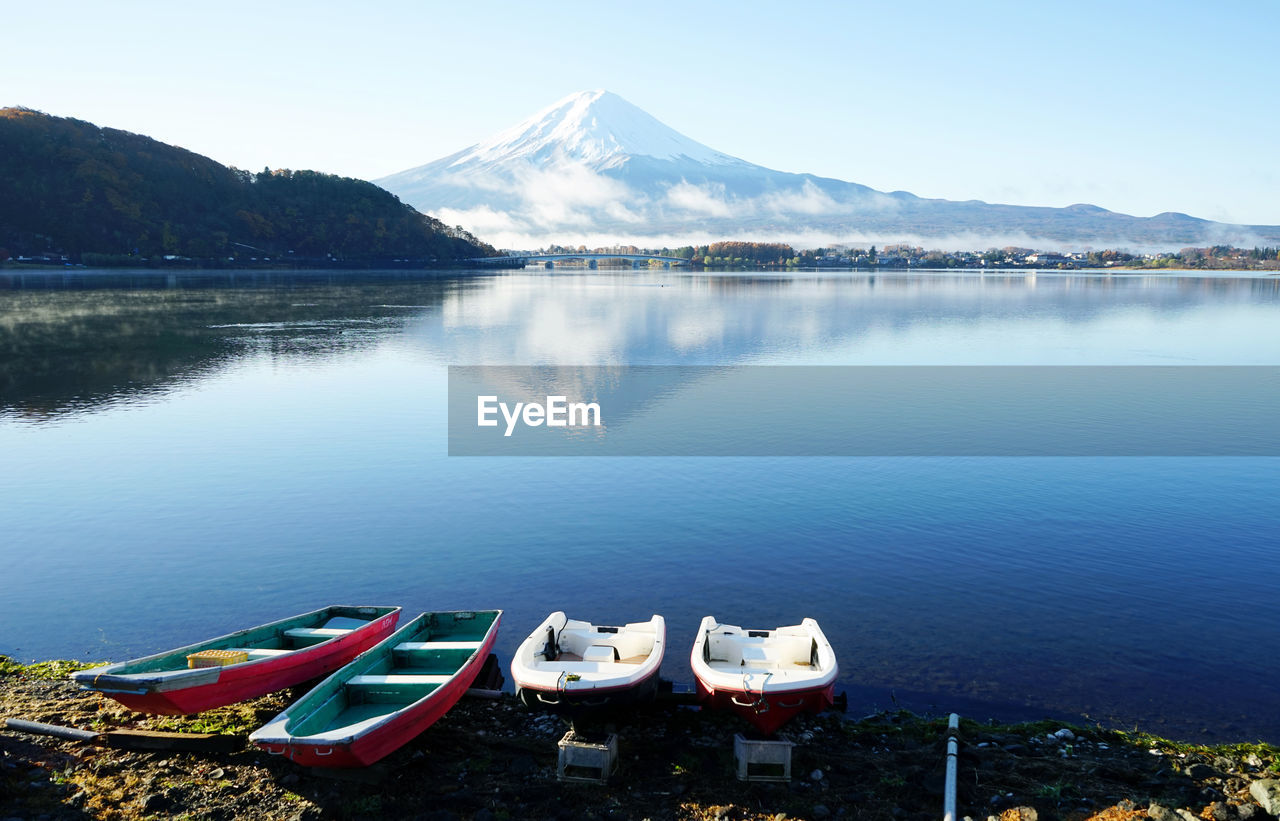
(386, 697)
(766, 676)
(245, 664)
(575, 667)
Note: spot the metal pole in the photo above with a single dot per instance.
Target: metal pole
(953, 750)
(70, 733)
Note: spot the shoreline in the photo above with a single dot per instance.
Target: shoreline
(822, 270)
(490, 759)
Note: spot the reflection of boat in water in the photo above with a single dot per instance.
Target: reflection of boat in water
(575, 667)
(245, 664)
(386, 697)
(766, 676)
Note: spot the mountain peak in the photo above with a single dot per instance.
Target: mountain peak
(592, 165)
(597, 128)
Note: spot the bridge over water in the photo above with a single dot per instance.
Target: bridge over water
(591, 259)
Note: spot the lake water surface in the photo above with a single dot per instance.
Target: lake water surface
(185, 454)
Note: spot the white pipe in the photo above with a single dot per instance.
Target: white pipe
(953, 751)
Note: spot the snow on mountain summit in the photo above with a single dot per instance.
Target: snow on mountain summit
(597, 128)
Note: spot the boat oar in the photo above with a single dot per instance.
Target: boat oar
(135, 739)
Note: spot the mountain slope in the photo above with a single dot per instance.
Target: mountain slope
(72, 187)
(594, 166)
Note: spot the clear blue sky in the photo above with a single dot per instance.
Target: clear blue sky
(1139, 107)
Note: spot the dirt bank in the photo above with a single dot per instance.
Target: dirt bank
(491, 759)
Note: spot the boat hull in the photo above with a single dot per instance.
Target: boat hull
(767, 677)
(580, 702)
(769, 712)
(194, 691)
(365, 746)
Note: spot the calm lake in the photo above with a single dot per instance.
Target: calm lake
(185, 454)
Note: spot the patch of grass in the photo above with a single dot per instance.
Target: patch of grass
(686, 763)
(1057, 790)
(1268, 753)
(368, 805)
(237, 719)
(107, 795)
(1031, 729)
(47, 670)
(1155, 742)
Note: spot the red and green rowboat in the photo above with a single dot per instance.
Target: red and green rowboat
(386, 697)
(253, 662)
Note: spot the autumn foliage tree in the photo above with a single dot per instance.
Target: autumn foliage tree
(765, 253)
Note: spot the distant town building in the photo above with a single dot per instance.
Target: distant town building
(1043, 258)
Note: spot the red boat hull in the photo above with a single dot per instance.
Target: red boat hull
(770, 711)
(245, 681)
(380, 742)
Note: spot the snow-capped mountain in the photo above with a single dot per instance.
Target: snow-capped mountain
(594, 168)
(595, 128)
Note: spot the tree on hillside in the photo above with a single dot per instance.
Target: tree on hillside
(82, 189)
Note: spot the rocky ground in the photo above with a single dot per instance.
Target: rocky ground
(491, 759)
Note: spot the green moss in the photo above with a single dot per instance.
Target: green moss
(237, 719)
(49, 670)
(1268, 754)
(367, 805)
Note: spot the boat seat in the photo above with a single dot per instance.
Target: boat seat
(317, 632)
(439, 645)
(600, 653)
(261, 652)
(346, 621)
(399, 678)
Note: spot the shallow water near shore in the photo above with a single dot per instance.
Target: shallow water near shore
(188, 453)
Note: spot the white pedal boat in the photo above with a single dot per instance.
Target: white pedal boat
(574, 667)
(766, 676)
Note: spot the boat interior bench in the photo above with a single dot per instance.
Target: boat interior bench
(400, 678)
(399, 686)
(331, 629)
(439, 645)
(603, 645)
(776, 651)
(256, 653)
(316, 632)
(431, 657)
(600, 653)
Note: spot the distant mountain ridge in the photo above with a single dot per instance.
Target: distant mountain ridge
(71, 187)
(594, 165)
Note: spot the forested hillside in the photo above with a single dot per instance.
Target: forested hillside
(101, 195)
